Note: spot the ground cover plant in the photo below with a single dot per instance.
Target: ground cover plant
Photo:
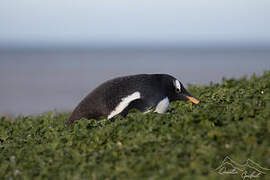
(190, 142)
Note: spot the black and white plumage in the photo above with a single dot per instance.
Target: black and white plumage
(144, 92)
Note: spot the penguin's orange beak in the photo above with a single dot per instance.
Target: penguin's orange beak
(192, 99)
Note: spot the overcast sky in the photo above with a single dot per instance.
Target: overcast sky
(134, 21)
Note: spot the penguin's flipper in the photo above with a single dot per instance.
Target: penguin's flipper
(124, 103)
(138, 104)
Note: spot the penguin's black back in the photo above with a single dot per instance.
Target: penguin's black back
(103, 99)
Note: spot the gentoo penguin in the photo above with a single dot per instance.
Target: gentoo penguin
(144, 92)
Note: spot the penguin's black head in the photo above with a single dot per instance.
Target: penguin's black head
(176, 90)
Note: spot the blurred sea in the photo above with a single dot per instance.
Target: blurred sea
(36, 80)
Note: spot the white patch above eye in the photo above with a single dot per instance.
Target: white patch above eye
(124, 103)
(163, 105)
(177, 85)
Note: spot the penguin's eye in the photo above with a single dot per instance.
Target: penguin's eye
(177, 86)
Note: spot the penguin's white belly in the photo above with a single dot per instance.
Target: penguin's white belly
(162, 106)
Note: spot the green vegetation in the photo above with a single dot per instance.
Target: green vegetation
(190, 142)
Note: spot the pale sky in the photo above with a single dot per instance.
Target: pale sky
(134, 21)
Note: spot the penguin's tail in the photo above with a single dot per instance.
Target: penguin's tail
(75, 116)
(70, 120)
